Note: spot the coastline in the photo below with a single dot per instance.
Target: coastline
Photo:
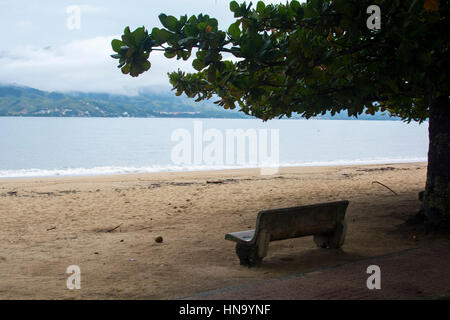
(112, 171)
(107, 226)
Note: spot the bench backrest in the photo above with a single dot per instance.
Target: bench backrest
(301, 221)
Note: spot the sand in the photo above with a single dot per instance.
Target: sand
(107, 225)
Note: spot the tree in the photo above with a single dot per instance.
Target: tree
(314, 57)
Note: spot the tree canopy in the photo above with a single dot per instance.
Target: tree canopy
(307, 58)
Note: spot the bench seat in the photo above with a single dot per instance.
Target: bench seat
(324, 221)
(241, 236)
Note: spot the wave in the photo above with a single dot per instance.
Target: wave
(112, 170)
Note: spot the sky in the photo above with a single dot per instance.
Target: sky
(45, 46)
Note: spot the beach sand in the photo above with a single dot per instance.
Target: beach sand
(107, 225)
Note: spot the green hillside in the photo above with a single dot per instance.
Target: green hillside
(29, 102)
(24, 101)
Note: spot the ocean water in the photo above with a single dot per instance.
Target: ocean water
(37, 147)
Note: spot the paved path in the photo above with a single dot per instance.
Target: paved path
(420, 273)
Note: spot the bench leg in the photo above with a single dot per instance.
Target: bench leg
(248, 255)
(338, 237)
(263, 243)
(334, 240)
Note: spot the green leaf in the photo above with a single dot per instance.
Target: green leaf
(234, 6)
(128, 39)
(191, 30)
(295, 5)
(211, 73)
(202, 26)
(126, 69)
(162, 35)
(183, 20)
(185, 55)
(213, 23)
(145, 65)
(260, 7)
(169, 54)
(234, 31)
(130, 52)
(163, 18)
(116, 44)
(171, 23)
(139, 35)
(198, 64)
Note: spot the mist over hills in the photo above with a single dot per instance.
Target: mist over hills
(30, 102)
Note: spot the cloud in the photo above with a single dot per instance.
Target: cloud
(41, 52)
(83, 65)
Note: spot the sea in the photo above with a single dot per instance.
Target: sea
(49, 147)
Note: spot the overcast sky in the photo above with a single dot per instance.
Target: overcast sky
(39, 50)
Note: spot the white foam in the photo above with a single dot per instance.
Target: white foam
(109, 170)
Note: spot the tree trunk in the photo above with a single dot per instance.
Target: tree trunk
(436, 201)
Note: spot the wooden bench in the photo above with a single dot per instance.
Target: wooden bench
(325, 221)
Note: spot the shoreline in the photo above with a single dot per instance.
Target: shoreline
(195, 170)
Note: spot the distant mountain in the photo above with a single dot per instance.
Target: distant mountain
(29, 102)
(25, 101)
